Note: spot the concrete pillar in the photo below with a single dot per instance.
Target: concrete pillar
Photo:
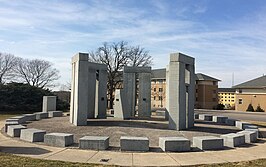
(102, 93)
(180, 91)
(144, 96)
(120, 105)
(91, 89)
(49, 103)
(79, 90)
(129, 92)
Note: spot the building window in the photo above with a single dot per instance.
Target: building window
(154, 98)
(232, 100)
(160, 89)
(160, 98)
(240, 101)
(154, 89)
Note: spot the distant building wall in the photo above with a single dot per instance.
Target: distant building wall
(227, 97)
(255, 97)
(206, 94)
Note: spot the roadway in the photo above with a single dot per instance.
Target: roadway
(247, 116)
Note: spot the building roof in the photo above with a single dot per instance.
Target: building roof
(203, 77)
(232, 90)
(158, 74)
(254, 83)
(161, 74)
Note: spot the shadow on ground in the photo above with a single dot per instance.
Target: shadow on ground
(24, 150)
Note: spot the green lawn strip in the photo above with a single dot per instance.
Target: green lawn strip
(7, 160)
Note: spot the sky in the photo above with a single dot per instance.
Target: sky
(226, 37)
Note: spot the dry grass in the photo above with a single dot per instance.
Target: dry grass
(9, 160)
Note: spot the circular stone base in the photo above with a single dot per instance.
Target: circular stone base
(115, 128)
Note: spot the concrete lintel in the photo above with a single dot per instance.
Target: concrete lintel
(180, 57)
(97, 66)
(128, 69)
(80, 57)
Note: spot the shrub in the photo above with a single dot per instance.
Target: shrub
(219, 107)
(24, 97)
(250, 108)
(259, 109)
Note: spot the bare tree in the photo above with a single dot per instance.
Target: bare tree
(139, 57)
(7, 64)
(39, 73)
(116, 56)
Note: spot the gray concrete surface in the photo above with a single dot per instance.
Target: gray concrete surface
(32, 135)
(94, 142)
(208, 142)
(172, 144)
(131, 143)
(59, 139)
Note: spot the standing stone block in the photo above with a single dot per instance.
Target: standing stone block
(55, 114)
(231, 122)
(20, 119)
(262, 132)
(208, 142)
(32, 135)
(205, 117)
(10, 123)
(29, 117)
(14, 130)
(180, 80)
(59, 139)
(94, 142)
(174, 144)
(144, 102)
(249, 127)
(254, 130)
(134, 143)
(196, 116)
(250, 136)
(49, 103)
(41, 115)
(241, 125)
(219, 119)
(233, 139)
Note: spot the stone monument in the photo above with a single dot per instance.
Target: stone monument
(180, 93)
(126, 99)
(88, 90)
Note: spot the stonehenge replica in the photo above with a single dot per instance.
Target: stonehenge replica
(89, 89)
(125, 99)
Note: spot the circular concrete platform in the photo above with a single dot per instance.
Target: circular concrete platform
(114, 128)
